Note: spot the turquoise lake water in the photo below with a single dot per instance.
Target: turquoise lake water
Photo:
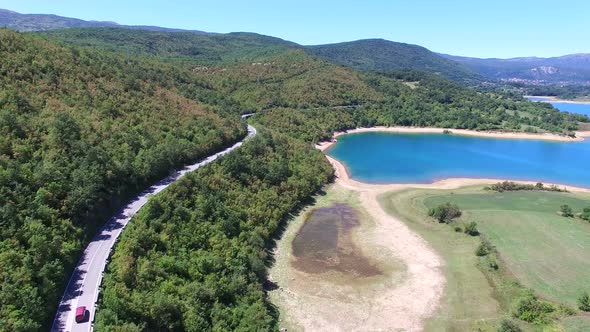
(566, 107)
(573, 107)
(424, 158)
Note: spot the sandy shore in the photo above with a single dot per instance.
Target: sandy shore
(398, 300)
(552, 99)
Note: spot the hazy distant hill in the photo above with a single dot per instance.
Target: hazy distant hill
(42, 22)
(574, 68)
(384, 55)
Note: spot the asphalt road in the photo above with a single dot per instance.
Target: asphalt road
(84, 284)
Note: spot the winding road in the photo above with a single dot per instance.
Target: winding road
(84, 284)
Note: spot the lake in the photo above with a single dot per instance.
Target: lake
(377, 157)
(572, 107)
(579, 108)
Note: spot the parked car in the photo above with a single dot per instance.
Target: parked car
(81, 314)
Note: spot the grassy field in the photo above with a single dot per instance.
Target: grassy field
(537, 247)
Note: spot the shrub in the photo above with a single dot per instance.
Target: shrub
(471, 229)
(458, 229)
(530, 309)
(508, 325)
(586, 214)
(584, 302)
(484, 248)
(445, 212)
(566, 211)
(493, 264)
(481, 250)
(513, 186)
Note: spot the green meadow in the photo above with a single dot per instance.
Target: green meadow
(537, 248)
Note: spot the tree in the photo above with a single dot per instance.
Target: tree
(566, 211)
(445, 212)
(584, 302)
(471, 229)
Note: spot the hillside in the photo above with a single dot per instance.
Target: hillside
(260, 72)
(79, 132)
(191, 48)
(41, 22)
(384, 55)
(571, 69)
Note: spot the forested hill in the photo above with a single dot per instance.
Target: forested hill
(260, 73)
(384, 55)
(79, 132)
(40, 22)
(191, 47)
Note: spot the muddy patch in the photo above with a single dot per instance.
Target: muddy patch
(325, 243)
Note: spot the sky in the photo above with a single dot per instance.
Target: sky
(478, 28)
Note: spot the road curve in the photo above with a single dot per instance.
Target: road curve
(83, 287)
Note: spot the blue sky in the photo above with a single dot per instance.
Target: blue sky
(485, 28)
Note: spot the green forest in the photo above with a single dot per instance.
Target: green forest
(79, 132)
(89, 117)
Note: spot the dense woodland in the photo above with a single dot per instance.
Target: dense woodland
(385, 55)
(88, 117)
(195, 258)
(79, 132)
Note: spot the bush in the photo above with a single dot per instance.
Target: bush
(586, 214)
(493, 264)
(566, 211)
(445, 212)
(458, 229)
(530, 309)
(471, 229)
(508, 325)
(484, 248)
(481, 250)
(584, 302)
(513, 186)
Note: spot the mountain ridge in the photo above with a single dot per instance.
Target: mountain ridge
(43, 22)
(379, 54)
(569, 68)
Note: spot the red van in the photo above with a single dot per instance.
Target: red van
(81, 314)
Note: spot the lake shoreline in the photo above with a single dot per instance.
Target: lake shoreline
(553, 99)
(580, 135)
(370, 194)
(343, 177)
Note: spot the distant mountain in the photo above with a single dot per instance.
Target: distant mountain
(574, 68)
(42, 22)
(384, 55)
